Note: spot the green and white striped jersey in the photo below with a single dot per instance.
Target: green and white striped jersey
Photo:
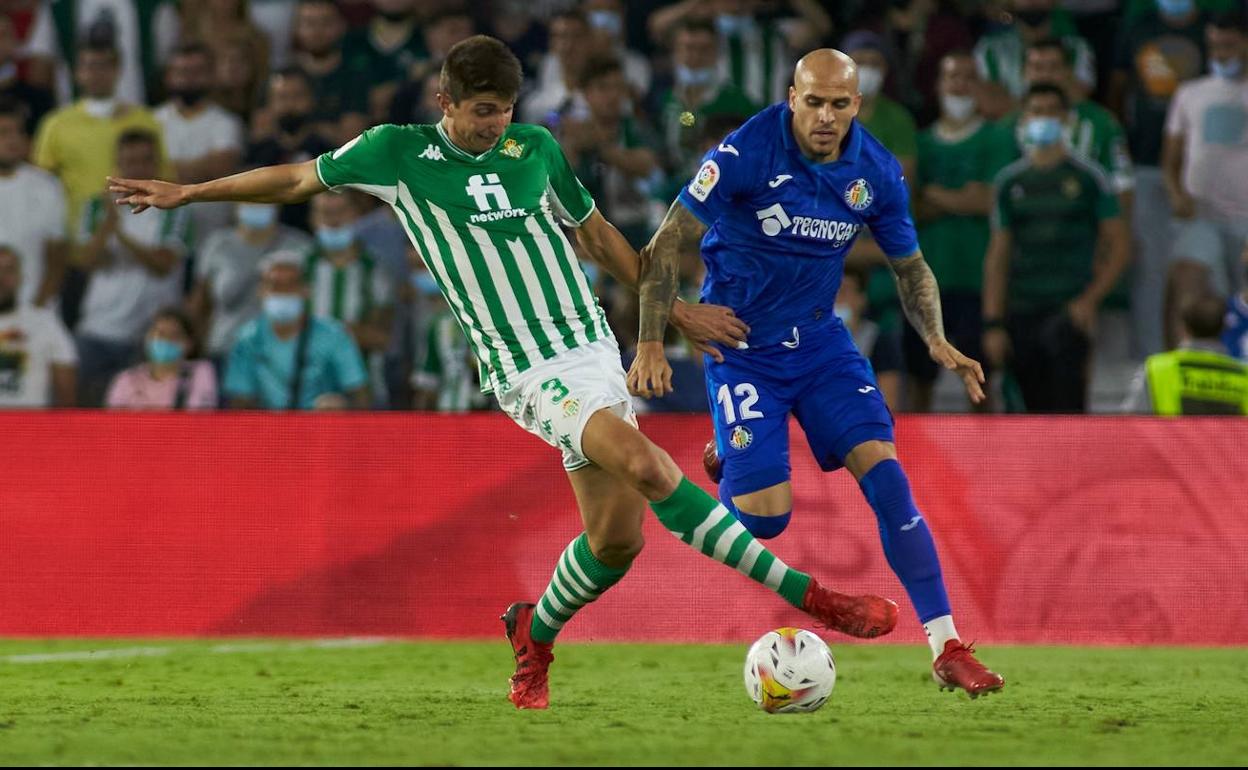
(486, 227)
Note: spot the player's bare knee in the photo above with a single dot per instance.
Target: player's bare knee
(653, 473)
(618, 551)
(862, 458)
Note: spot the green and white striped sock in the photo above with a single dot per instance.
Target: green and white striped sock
(700, 521)
(578, 580)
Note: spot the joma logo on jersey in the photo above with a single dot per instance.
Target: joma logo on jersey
(485, 190)
(775, 220)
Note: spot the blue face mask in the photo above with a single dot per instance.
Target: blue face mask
(1043, 132)
(335, 238)
(731, 25)
(607, 21)
(161, 351)
(694, 78)
(1227, 70)
(257, 216)
(424, 284)
(283, 308)
(1175, 9)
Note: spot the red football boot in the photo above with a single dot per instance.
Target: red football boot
(528, 685)
(865, 617)
(956, 667)
(710, 461)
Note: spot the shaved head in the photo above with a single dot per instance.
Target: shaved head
(824, 98)
(827, 66)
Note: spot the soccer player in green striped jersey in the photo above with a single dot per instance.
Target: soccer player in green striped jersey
(482, 200)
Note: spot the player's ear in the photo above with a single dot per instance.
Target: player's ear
(793, 106)
(444, 103)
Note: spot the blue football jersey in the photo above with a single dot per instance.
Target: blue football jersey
(780, 225)
(1235, 332)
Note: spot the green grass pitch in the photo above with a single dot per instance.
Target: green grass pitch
(308, 703)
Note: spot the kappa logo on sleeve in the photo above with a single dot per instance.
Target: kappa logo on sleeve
(705, 181)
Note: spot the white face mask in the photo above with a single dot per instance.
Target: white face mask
(870, 80)
(99, 108)
(958, 108)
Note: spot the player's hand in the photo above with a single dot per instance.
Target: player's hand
(141, 194)
(650, 375)
(996, 347)
(968, 369)
(704, 324)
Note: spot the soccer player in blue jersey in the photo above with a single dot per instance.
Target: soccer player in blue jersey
(775, 208)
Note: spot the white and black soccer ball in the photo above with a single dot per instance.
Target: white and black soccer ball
(789, 670)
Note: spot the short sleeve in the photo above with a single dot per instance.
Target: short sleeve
(1177, 121)
(1106, 200)
(718, 182)
(1002, 212)
(889, 218)
(366, 163)
(571, 200)
(347, 362)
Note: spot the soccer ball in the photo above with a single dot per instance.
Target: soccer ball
(789, 670)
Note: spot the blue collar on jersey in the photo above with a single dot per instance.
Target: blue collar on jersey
(849, 151)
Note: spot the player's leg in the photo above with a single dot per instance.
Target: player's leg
(847, 423)
(702, 523)
(594, 561)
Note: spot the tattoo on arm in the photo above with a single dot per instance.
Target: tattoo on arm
(920, 296)
(680, 233)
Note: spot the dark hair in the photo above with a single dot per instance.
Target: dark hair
(330, 3)
(441, 15)
(1203, 316)
(292, 71)
(598, 66)
(92, 45)
(138, 136)
(1051, 44)
(1232, 21)
(193, 48)
(11, 107)
(178, 315)
(695, 24)
(860, 275)
(1042, 89)
(479, 65)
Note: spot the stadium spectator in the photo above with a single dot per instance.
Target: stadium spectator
(953, 195)
(1197, 378)
(380, 234)
(1156, 52)
(37, 358)
(203, 139)
(141, 32)
(558, 75)
(1001, 55)
(393, 45)
(226, 293)
(137, 266)
(606, 23)
(893, 126)
(444, 371)
(348, 285)
(224, 27)
(169, 378)
(238, 85)
(851, 307)
(78, 143)
(32, 212)
(286, 359)
(1205, 158)
(756, 42)
(1052, 211)
(15, 81)
(516, 23)
(698, 93)
(276, 19)
(415, 100)
(291, 137)
(611, 151)
(339, 78)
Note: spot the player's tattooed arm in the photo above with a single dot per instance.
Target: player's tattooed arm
(920, 296)
(680, 234)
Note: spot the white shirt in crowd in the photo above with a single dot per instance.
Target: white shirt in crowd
(213, 129)
(32, 341)
(32, 213)
(124, 296)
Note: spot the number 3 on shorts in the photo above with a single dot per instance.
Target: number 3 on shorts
(560, 392)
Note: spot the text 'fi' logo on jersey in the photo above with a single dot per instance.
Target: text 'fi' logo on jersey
(705, 181)
(741, 437)
(858, 194)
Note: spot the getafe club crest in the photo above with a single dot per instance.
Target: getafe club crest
(741, 437)
(858, 194)
(512, 149)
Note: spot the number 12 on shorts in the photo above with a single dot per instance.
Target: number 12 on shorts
(749, 397)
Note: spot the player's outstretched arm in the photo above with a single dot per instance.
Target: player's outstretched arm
(680, 233)
(289, 183)
(920, 298)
